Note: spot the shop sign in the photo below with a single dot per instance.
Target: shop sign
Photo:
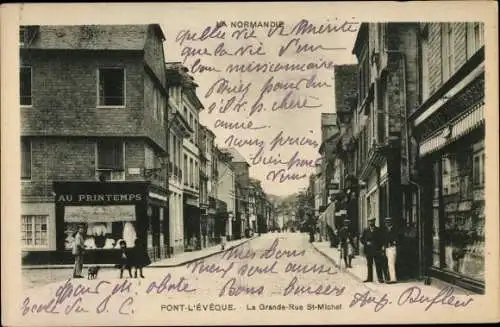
(96, 198)
(333, 186)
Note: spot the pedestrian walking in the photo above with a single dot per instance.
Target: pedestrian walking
(372, 243)
(223, 241)
(346, 243)
(78, 251)
(125, 261)
(140, 257)
(391, 243)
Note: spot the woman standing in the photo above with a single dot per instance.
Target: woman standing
(140, 257)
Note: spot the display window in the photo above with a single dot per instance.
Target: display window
(458, 233)
(105, 226)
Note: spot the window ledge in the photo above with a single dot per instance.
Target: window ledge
(110, 107)
(31, 248)
(26, 106)
(26, 180)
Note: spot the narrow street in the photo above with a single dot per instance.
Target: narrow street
(277, 269)
(274, 272)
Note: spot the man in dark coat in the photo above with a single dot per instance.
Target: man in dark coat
(372, 240)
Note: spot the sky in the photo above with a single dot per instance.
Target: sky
(262, 121)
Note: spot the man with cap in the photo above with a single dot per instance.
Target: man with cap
(391, 241)
(346, 243)
(372, 239)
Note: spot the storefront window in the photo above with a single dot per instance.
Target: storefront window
(436, 257)
(105, 226)
(34, 230)
(462, 224)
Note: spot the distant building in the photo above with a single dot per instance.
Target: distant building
(189, 103)
(242, 184)
(207, 186)
(226, 194)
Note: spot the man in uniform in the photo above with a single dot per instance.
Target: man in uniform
(391, 241)
(372, 239)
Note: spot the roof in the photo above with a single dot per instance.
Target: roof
(360, 38)
(178, 74)
(92, 37)
(237, 157)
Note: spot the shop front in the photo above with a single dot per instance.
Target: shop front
(452, 164)
(238, 225)
(221, 217)
(192, 223)
(454, 203)
(110, 212)
(211, 212)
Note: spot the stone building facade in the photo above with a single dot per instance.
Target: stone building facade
(91, 117)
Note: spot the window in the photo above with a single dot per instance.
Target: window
(34, 230)
(25, 159)
(191, 172)
(185, 113)
(25, 86)
(149, 156)
(448, 53)
(111, 159)
(155, 102)
(478, 169)
(174, 150)
(475, 38)
(195, 127)
(459, 228)
(158, 105)
(186, 174)
(196, 174)
(111, 83)
(478, 35)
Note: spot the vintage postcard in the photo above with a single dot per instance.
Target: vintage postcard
(249, 163)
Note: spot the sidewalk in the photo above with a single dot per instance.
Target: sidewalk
(176, 260)
(359, 270)
(42, 275)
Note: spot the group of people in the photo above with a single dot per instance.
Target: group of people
(136, 257)
(379, 247)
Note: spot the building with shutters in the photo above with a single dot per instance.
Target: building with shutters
(189, 106)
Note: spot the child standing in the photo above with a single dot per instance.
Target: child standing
(125, 259)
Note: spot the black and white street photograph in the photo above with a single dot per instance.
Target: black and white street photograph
(206, 165)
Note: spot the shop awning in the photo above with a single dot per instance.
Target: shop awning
(458, 128)
(330, 215)
(99, 214)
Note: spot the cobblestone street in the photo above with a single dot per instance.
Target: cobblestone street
(273, 272)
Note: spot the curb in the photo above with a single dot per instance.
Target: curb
(31, 267)
(345, 270)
